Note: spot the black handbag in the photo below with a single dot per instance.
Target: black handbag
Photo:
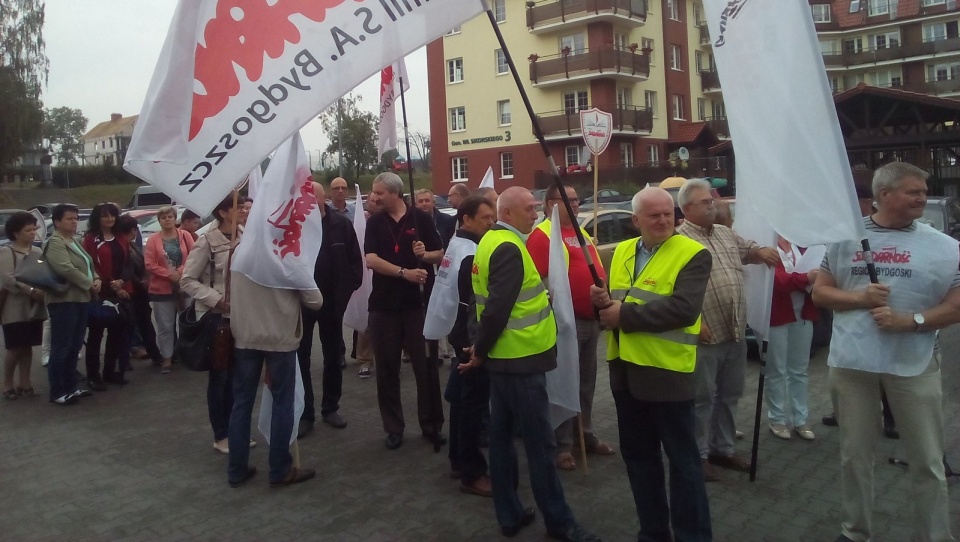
(194, 346)
(37, 273)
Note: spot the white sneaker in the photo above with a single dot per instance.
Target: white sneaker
(45, 359)
(364, 372)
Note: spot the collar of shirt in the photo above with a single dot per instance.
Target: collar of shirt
(514, 230)
(643, 256)
(697, 228)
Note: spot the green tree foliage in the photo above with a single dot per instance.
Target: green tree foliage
(64, 126)
(23, 73)
(359, 130)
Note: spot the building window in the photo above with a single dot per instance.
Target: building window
(620, 41)
(626, 154)
(111, 142)
(678, 107)
(506, 165)
(821, 13)
(701, 109)
(853, 45)
(698, 15)
(933, 2)
(939, 31)
(572, 154)
(698, 57)
(576, 42)
(653, 155)
(624, 97)
(503, 112)
(854, 6)
(500, 10)
(886, 40)
(459, 166)
(650, 101)
(574, 101)
(454, 30)
(458, 119)
(943, 72)
(719, 110)
(455, 70)
(672, 10)
(878, 7)
(502, 66)
(676, 58)
(647, 45)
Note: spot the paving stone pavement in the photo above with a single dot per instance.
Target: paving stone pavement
(136, 463)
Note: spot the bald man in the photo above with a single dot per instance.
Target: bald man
(656, 290)
(338, 272)
(516, 340)
(457, 193)
(338, 198)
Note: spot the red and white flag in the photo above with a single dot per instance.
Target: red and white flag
(284, 231)
(236, 78)
(357, 314)
(390, 79)
(563, 382)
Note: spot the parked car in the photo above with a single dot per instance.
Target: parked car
(613, 226)
(148, 197)
(606, 195)
(943, 214)
(401, 164)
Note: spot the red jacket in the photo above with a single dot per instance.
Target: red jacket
(155, 259)
(104, 265)
(781, 309)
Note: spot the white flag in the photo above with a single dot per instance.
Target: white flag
(487, 181)
(757, 279)
(254, 178)
(790, 153)
(236, 78)
(356, 314)
(264, 422)
(389, 95)
(563, 383)
(284, 231)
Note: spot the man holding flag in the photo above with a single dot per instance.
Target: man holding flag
(657, 285)
(516, 341)
(588, 330)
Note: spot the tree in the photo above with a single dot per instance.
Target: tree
(420, 142)
(64, 127)
(23, 72)
(359, 131)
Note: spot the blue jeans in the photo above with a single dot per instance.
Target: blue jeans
(469, 397)
(645, 426)
(788, 355)
(520, 400)
(281, 367)
(219, 401)
(68, 324)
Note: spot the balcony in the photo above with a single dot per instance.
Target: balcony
(704, 33)
(549, 16)
(627, 119)
(719, 126)
(843, 59)
(709, 81)
(942, 87)
(621, 64)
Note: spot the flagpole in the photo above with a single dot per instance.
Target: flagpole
(546, 151)
(754, 450)
(406, 142)
(596, 192)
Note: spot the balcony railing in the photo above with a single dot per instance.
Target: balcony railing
(626, 118)
(704, 33)
(895, 52)
(719, 126)
(709, 80)
(561, 11)
(599, 61)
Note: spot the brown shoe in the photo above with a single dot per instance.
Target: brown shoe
(709, 473)
(295, 476)
(480, 487)
(732, 462)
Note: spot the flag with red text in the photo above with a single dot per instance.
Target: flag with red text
(390, 81)
(236, 78)
(284, 231)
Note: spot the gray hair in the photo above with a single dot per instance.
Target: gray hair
(683, 196)
(648, 192)
(889, 176)
(391, 181)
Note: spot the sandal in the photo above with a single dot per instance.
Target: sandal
(565, 461)
(10, 394)
(27, 392)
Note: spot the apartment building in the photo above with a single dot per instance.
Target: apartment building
(647, 62)
(908, 44)
(107, 142)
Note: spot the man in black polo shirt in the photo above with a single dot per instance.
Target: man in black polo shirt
(400, 241)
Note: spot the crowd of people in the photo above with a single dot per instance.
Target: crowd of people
(671, 309)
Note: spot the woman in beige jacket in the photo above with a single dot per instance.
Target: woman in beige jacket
(208, 294)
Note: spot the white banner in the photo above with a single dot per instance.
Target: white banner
(357, 311)
(389, 94)
(254, 178)
(563, 383)
(236, 78)
(790, 152)
(757, 279)
(487, 181)
(284, 231)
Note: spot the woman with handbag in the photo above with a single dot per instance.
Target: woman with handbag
(141, 315)
(109, 253)
(165, 255)
(68, 309)
(22, 307)
(208, 293)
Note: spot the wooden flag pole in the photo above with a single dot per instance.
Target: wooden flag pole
(596, 193)
(583, 444)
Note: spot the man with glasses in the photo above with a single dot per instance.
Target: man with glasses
(338, 198)
(722, 353)
(588, 330)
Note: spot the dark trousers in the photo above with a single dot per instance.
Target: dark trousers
(330, 319)
(645, 426)
(117, 352)
(468, 395)
(143, 323)
(520, 400)
(392, 332)
(68, 324)
(220, 401)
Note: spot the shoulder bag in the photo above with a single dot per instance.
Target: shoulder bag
(36, 272)
(195, 340)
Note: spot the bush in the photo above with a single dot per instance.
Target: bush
(75, 176)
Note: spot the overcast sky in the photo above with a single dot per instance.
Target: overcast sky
(103, 52)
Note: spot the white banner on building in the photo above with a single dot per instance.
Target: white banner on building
(236, 78)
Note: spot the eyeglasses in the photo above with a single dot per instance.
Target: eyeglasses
(573, 201)
(706, 202)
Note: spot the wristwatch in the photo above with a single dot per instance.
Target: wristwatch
(400, 273)
(918, 321)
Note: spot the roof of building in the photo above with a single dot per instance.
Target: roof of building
(867, 106)
(687, 133)
(841, 17)
(111, 127)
